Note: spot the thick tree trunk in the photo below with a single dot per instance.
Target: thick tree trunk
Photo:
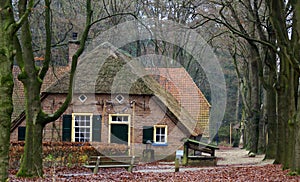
(288, 80)
(271, 112)
(6, 106)
(6, 84)
(261, 148)
(286, 114)
(30, 163)
(36, 119)
(296, 164)
(271, 148)
(254, 102)
(290, 130)
(32, 86)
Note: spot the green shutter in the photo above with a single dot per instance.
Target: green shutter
(21, 133)
(148, 133)
(67, 127)
(96, 128)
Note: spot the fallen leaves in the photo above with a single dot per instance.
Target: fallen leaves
(224, 173)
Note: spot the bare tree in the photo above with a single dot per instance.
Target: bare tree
(31, 77)
(8, 29)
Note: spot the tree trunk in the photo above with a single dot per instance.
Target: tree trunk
(271, 148)
(6, 84)
(254, 102)
(286, 113)
(296, 164)
(36, 119)
(30, 163)
(6, 108)
(261, 148)
(270, 79)
(32, 86)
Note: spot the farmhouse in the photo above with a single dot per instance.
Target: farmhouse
(118, 101)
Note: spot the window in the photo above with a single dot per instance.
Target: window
(160, 134)
(82, 98)
(119, 119)
(82, 128)
(119, 129)
(120, 98)
(21, 133)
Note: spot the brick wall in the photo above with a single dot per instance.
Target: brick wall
(146, 113)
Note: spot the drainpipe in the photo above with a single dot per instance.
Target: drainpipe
(133, 115)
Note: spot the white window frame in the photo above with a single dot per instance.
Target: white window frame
(165, 135)
(90, 126)
(119, 122)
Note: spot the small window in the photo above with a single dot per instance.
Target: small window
(160, 134)
(120, 98)
(21, 133)
(119, 119)
(82, 98)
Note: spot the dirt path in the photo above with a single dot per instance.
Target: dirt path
(237, 156)
(226, 157)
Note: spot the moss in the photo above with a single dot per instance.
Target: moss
(294, 173)
(22, 173)
(291, 122)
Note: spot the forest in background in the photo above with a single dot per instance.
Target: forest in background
(258, 42)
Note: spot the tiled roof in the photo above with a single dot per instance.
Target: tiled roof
(180, 84)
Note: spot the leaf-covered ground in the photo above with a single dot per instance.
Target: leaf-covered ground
(233, 165)
(225, 173)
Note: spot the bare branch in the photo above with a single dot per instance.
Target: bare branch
(83, 39)
(24, 17)
(48, 40)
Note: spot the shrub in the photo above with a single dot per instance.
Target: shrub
(67, 153)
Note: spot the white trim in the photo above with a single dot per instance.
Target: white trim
(120, 100)
(82, 100)
(118, 122)
(73, 124)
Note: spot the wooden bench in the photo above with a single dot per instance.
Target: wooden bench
(201, 148)
(95, 162)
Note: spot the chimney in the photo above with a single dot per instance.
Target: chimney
(74, 35)
(73, 46)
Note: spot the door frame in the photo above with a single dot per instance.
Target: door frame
(117, 122)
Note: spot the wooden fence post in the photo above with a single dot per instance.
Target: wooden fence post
(97, 164)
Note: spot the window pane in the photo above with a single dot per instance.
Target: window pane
(159, 130)
(119, 118)
(157, 138)
(162, 130)
(162, 139)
